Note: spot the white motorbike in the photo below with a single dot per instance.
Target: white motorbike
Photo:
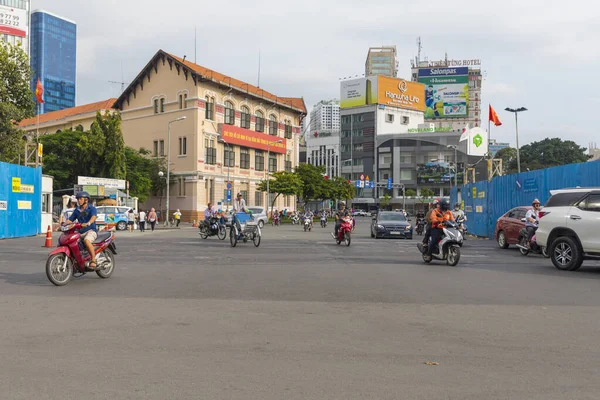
(448, 249)
(295, 219)
(307, 224)
(323, 221)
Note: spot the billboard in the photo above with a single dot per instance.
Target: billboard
(446, 91)
(106, 182)
(13, 21)
(247, 138)
(395, 92)
(436, 172)
(353, 93)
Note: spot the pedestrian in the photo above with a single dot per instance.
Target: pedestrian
(130, 220)
(177, 216)
(142, 220)
(152, 218)
(68, 210)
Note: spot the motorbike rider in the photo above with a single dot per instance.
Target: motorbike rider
(438, 218)
(458, 213)
(309, 216)
(339, 215)
(532, 220)
(208, 214)
(427, 235)
(86, 215)
(70, 207)
(239, 205)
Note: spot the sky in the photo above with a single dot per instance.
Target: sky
(534, 54)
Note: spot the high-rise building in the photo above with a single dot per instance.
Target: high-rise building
(325, 116)
(382, 61)
(53, 59)
(14, 22)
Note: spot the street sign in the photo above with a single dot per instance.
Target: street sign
(357, 183)
(228, 185)
(113, 196)
(362, 184)
(372, 185)
(362, 177)
(389, 186)
(367, 183)
(228, 195)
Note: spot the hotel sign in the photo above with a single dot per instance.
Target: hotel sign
(247, 138)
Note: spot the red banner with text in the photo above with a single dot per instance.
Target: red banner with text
(247, 138)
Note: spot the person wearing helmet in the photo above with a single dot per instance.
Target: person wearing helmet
(427, 235)
(239, 205)
(458, 213)
(441, 215)
(339, 215)
(86, 215)
(532, 219)
(68, 210)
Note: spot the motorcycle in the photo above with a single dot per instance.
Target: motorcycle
(344, 231)
(420, 226)
(448, 248)
(534, 247)
(462, 227)
(295, 219)
(307, 224)
(323, 221)
(213, 228)
(71, 256)
(276, 220)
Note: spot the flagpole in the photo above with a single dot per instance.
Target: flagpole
(37, 138)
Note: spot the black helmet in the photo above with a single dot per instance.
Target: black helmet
(457, 205)
(444, 204)
(85, 195)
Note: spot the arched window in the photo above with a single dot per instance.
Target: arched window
(260, 122)
(229, 113)
(79, 128)
(272, 125)
(245, 117)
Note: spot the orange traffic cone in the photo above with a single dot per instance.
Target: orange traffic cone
(194, 224)
(48, 238)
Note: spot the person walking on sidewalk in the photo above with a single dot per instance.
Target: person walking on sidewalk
(177, 216)
(130, 220)
(142, 220)
(152, 218)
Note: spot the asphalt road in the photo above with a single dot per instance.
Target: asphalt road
(297, 318)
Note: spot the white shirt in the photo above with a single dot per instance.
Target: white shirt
(239, 205)
(67, 213)
(177, 215)
(142, 216)
(531, 214)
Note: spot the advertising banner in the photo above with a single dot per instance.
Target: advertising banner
(436, 172)
(353, 93)
(478, 142)
(13, 21)
(106, 182)
(446, 91)
(247, 138)
(395, 92)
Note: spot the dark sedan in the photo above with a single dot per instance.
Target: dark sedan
(390, 224)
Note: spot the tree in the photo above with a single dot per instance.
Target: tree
(550, 153)
(509, 157)
(385, 201)
(426, 193)
(63, 157)
(410, 193)
(314, 186)
(104, 146)
(16, 99)
(283, 183)
(142, 173)
(341, 189)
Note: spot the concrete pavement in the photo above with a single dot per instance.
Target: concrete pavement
(297, 318)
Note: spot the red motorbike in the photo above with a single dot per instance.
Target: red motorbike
(71, 257)
(344, 231)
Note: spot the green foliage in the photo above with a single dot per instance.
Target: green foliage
(283, 183)
(16, 100)
(142, 173)
(509, 159)
(341, 189)
(426, 193)
(550, 153)
(63, 158)
(314, 186)
(385, 201)
(410, 192)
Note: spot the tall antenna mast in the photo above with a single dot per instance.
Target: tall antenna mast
(258, 85)
(418, 50)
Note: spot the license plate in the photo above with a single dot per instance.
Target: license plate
(395, 233)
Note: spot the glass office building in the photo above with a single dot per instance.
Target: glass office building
(53, 59)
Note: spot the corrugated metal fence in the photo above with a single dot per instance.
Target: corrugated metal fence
(486, 201)
(20, 200)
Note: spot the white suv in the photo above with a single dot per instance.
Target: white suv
(569, 225)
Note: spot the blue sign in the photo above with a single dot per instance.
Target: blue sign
(228, 195)
(219, 203)
(389, 186)
(530, 185)
(358, 183)
(228, 185)
(372, 185)
(113, 196)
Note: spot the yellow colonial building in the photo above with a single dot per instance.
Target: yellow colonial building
(221, 129)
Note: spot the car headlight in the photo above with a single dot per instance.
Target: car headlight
(408, 227)
(380, 227)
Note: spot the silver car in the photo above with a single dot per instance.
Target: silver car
(257, 212)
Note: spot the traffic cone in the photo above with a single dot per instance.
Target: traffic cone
(194, 224)
(48, 237)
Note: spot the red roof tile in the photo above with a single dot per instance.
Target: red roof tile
(68, 112)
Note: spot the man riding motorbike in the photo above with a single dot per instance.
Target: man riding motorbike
(438, 217)
(458, 213)
(208, 214)
(339, 215)
(86, 215)
(532, 220)
(427, 235)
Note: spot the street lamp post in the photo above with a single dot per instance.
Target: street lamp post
(268, 165)
(169, 162)
(516, 111)
(228, 167)
(451, 146)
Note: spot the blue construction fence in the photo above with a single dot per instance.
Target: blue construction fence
(485, 202)
(20, 200)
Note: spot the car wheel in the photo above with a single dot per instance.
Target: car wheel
(502, 243)
(566, 254)
(261, 224)
(121, 226)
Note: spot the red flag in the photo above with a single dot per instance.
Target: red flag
(39, 91)
(494, 117)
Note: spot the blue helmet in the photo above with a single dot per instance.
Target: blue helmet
(84, 195)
